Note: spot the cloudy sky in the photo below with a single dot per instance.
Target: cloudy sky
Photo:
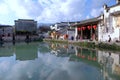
(50, 11)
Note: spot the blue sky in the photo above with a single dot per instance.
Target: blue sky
(50, 11)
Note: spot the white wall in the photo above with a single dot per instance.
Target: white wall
(109, 21)
(70, 34)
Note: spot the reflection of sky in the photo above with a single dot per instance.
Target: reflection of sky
(46, 67)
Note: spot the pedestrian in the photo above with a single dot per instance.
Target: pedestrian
(109, 38)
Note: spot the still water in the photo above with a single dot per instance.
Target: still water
(46, 61)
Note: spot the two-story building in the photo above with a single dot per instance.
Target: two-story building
(6, 32)
(25, 25)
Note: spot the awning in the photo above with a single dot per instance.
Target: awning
(92, 21)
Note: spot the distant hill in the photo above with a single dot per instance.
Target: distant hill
(44, 24)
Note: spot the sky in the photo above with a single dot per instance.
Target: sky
(50, 11)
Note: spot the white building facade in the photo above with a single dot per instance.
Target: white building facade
(110, 26)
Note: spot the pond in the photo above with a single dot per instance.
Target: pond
(48, 61)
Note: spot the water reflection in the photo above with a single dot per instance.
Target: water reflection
(6, 51)
(22, 51)
(62, 50)
(26, 51)
(46, 61)
(107, 62)
(110, 63)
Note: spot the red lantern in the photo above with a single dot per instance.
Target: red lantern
(94, 59)
(83, 56)
(79, 29)
(83, 28)
(89, 27)
(94, 26)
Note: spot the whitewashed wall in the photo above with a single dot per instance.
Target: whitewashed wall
(70, 34)
(110, 23)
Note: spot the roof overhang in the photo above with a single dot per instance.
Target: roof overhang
(115, 13)
(92, 21)
(4, 26)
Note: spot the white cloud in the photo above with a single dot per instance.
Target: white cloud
(96, 12)
(87, 17)
(52, 10)
(17, 8)
(62, 10)
(3, 9)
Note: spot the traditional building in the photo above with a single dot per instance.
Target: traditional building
(58, 26)
(106, 27)
(87, 29)
(26, 25)
(110, 26)
(6, 30)
(60, 30)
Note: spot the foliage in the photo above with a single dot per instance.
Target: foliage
(108, 46)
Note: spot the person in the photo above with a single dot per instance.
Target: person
(109, 38)
(93, 36)
(13, 37)
(27, 38)
(72, 38)
(77, 37)
(0, 38)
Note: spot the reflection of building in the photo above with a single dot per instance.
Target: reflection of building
(6, 52)
(110, 62)
(26, 56)
(26, 52)
(87, 54)
(90, 55)
(62, 50)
